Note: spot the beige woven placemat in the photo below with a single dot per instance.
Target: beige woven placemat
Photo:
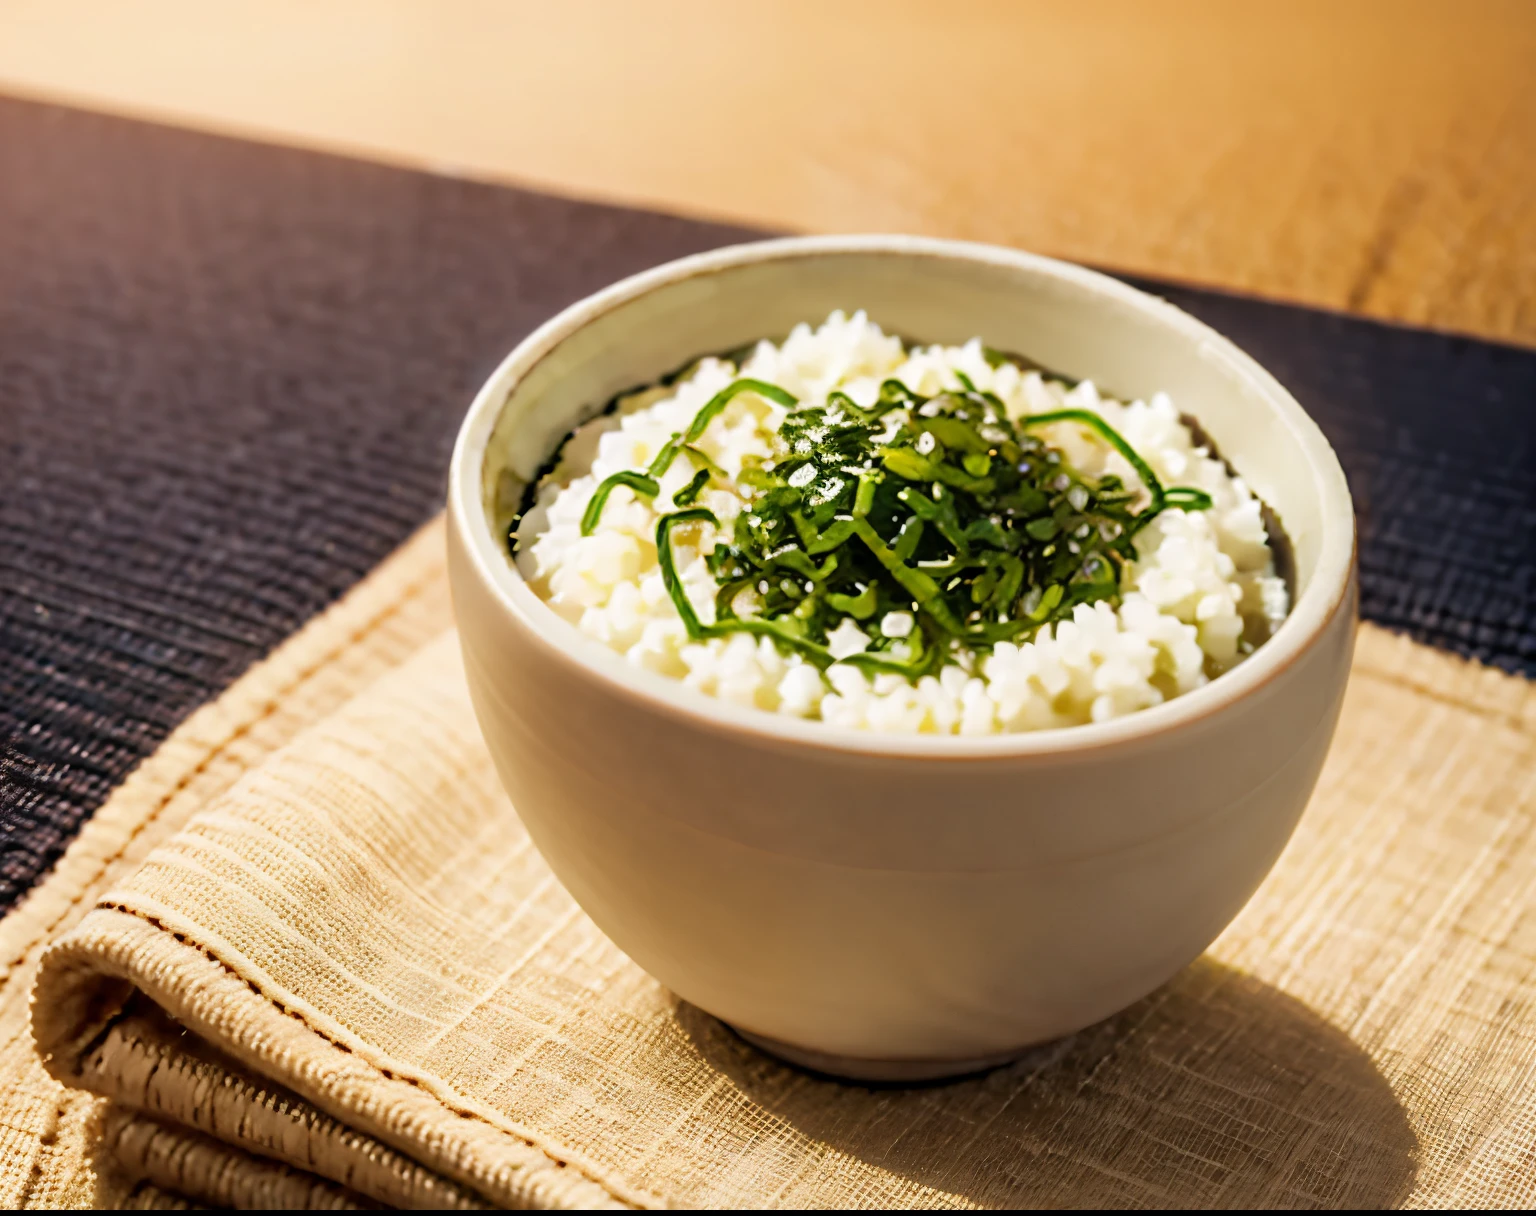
(335, 972)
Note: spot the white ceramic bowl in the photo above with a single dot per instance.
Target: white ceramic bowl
(885, 906)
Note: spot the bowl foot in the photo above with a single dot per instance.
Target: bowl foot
(860, 1068)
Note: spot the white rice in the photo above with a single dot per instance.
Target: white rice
(1203, 584)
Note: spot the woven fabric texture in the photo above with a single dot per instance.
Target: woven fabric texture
(346, 978)
(51, 1151)
(230, 375)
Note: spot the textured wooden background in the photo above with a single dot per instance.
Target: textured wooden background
(1376, 155)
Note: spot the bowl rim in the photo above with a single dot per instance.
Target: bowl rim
(1308, 621)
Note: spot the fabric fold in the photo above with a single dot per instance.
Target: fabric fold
(177, 1161)
(348, 979)
(323, 860)
(203, 1112)
(50, 1145)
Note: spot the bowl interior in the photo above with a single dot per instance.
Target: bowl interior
(1070, 320)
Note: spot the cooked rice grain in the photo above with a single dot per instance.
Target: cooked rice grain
(1200, 593)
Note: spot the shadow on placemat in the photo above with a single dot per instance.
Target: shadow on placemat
(1215, 1091)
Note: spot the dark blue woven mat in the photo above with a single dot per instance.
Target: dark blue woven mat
(230, 376)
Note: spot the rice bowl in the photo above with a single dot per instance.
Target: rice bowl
(874, 903)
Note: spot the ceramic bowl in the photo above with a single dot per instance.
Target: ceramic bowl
(878, 906)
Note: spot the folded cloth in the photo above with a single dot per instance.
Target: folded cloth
(348, 979)
(50, 1146)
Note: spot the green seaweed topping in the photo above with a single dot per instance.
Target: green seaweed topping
(649, 482)
(669, 578)
(784, 632)
(725, 396)
(957, 515)
(951, 512)
(689, 494)
(640, 483)
(1185, 497)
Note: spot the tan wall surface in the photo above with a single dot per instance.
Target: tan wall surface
(1376, 156)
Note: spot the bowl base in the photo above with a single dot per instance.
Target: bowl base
(860, 1068)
